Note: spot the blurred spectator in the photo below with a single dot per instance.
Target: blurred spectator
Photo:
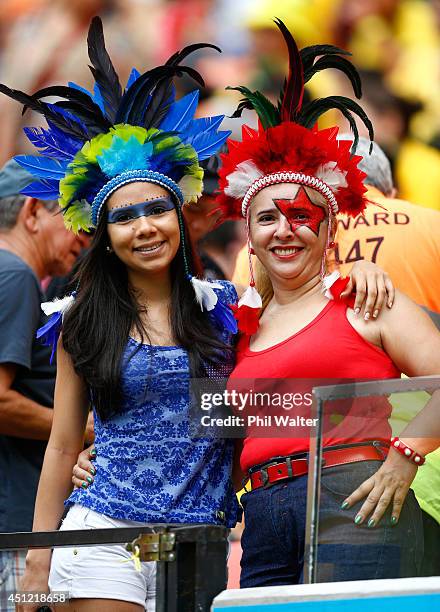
(49, 44)
(33, 244)
(402, 238)
(218, 248)
(222, 246)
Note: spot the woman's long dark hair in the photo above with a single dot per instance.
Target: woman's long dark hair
(97, 327)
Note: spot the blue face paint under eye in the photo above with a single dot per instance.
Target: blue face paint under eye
(126, 214)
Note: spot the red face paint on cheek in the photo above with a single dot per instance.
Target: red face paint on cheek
(301, 211)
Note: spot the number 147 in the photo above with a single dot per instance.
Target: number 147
(354, 253)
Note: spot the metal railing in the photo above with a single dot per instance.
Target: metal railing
(321, 396)
(191, 559)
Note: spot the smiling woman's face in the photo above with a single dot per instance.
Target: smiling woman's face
(288, 228)
(145, 237)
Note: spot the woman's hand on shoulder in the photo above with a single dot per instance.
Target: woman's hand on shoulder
(373, 289)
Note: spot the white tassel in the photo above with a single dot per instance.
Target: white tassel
(58, 305)
(328, 281)
(242, 178)
(251, 298)
(330, 174)
(205, 294)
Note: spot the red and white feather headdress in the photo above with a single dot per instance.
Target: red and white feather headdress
(288, 147)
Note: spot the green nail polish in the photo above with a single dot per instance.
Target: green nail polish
(371, 522)
(92, 471)
(344, 505)
(393, 520)
(89, 479)
(358, 519)
(84, 485)
(93, 452)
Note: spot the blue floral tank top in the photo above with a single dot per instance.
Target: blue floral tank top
(148, 466)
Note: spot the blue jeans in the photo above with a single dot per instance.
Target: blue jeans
(275, 519)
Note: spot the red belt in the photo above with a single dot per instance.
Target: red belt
(283, 468)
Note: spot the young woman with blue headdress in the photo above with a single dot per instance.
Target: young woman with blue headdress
(140, 325)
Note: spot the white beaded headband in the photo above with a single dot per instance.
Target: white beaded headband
(289, 177)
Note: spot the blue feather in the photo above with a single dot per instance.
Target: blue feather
(50, 332)
(208, 143)
(70, 117)
(48, 144)
(44, 190)
(180, 113)
(134, 75)
(204, 124)
(79, 88)
(42, 167)
(223, 317)
(98, 99)
(70, 144)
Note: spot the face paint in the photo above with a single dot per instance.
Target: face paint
(301, 211)
(127, 214)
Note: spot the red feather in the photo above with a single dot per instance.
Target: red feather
(248, 319)
(291, 147)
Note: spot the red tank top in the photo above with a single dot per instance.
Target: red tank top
(327, 348)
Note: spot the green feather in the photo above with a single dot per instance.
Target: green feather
(267, 112)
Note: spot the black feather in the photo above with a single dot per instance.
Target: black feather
(155, 112)
(313, 110)
(68, 126)
(96, 124)
(141, 93)
(81, 105)
(179, 56)
(340, 63)
(293, 91)
(103, 69)
(309, 54)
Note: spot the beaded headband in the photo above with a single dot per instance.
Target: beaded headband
(131, 177)
(289, 177)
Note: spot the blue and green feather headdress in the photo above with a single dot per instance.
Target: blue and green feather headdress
(95, 143)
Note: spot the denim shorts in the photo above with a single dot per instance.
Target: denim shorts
(101, 572)
(275, 520)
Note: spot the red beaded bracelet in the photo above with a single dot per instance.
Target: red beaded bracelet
(407, 451)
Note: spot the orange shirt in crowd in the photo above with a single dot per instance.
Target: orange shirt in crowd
(400, 237)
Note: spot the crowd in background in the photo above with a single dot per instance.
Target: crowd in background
(395, 44)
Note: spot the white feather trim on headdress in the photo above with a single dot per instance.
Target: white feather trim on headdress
(242, 178)
(330, 174)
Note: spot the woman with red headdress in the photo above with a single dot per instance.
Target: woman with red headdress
(289, 179)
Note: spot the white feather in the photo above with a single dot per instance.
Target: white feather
(330, 174)
(205, 294)
(251, 298)
(242, 178)
(328, 281)
(57, 305)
